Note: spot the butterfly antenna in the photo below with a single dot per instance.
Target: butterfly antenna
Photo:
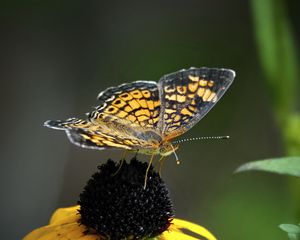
(200, 138)
(177, 160)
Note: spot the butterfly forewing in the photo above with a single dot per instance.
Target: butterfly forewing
(187, 95)
(136, 103)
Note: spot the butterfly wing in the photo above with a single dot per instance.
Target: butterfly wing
(126, 118)
(187, 96)
(84, 133)
(137, 103)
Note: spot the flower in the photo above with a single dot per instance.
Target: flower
(64, 225)
(114, 205)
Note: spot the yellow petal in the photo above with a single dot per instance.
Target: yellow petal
(179, 225)
(176, 235)
(65, 214)
(61, 232)
(63, 226)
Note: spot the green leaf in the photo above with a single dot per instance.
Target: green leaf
(285, 165)
(292, 230)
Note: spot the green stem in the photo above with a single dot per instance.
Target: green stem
(278, 59)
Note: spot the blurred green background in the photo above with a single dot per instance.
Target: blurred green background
(57, 55)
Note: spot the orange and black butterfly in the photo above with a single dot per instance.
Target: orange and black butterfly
(146, 116)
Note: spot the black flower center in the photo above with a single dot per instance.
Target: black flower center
(117, 206)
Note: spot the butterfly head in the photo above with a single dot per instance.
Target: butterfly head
(167, 148)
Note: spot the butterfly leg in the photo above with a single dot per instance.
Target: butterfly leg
(161, 163)
(146, 175)
(120, 163)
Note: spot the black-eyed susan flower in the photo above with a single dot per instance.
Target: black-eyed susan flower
(115, 206)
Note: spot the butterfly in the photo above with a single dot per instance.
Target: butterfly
(146, 116)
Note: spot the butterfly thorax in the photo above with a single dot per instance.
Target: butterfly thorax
(154, 143)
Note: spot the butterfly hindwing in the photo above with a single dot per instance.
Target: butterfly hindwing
(85, 133)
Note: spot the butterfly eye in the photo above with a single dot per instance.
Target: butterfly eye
(162, 149)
